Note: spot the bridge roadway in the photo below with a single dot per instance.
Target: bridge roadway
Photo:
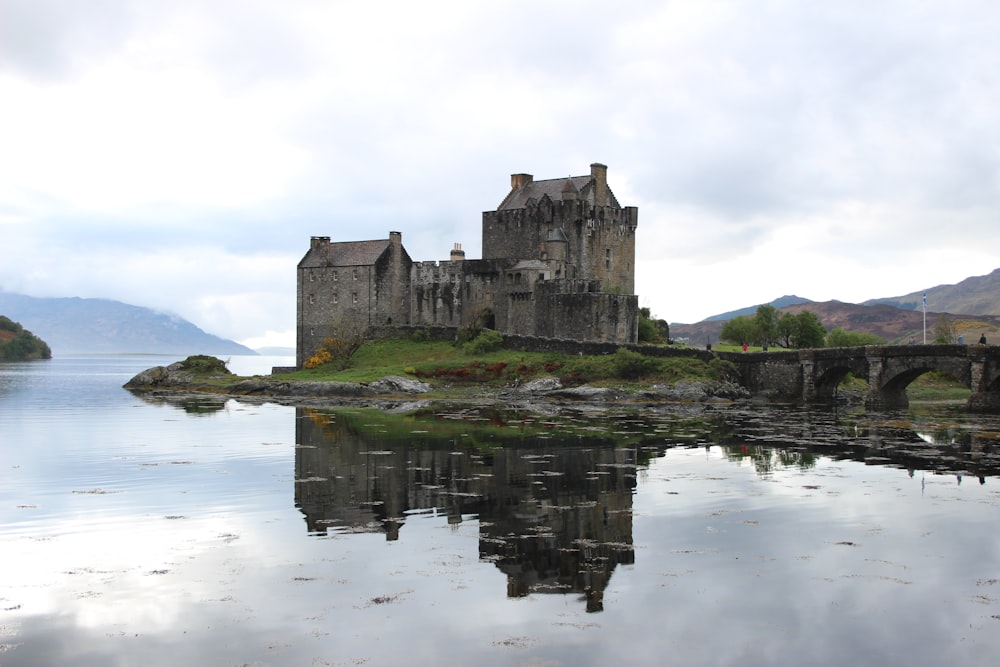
(812, 376)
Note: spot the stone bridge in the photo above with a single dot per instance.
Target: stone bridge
(812, 376)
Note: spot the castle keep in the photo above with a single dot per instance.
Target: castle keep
(558, 260)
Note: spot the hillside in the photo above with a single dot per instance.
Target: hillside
(973, 306)
(102, 326)
(19, 344)
(893, 324)
(896, 325)
(978, 295)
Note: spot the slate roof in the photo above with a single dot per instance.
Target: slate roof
(554, 189)
(349, 253)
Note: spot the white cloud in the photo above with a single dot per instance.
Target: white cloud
(155, 151)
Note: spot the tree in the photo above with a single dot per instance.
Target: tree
(741, 329)
(944, 330)
(766, 320)
(799, 331)
(650, 330)
(787, 326)
(808, 330)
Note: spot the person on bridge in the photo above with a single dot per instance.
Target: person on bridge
(982, 339)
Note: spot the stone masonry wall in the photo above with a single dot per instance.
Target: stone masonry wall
(601, 239)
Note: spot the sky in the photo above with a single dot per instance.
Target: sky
(178, 154)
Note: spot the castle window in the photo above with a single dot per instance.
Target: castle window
(354, 297)
(607, 258)
(312, 277)
(335, 297)
(335, 276)
(312, 299)
(354, 273)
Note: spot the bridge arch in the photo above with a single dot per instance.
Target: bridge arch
(892, 369)
(824, 369)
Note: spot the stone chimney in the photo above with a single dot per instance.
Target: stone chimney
(518, 181)
(457, 254)
(599, 173)
(396, 238)
(317, 242)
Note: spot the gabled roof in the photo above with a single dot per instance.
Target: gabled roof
(577, 187)
(347, 253)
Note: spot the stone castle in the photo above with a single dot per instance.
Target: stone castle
(558, 261)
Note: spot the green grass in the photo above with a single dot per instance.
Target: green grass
(937, 386)
(444, 363)
(932, 386)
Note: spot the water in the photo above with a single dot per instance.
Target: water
(216, 532)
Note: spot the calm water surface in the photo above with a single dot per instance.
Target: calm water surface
(215, 532)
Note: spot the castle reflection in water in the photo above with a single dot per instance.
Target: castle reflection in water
(553, 494)
(554, 511)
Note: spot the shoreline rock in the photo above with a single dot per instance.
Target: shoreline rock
(179, 378)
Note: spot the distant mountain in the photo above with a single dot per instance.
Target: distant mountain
(276, 351)
(781, 302)
(979, 295)
(896, 325)
(102, 326)
(973, 305)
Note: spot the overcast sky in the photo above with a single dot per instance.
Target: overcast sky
(178, 154)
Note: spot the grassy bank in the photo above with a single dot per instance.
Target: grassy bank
(450, 364)
(445, 364)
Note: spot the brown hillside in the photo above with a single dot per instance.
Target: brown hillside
(895, 325)
(888, 322)
(978, 295)
(895, 319)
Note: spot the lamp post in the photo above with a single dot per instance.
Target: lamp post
(925, 318)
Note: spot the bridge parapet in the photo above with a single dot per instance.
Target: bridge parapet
(813, 375)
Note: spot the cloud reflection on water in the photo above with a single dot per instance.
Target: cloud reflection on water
(712, 548)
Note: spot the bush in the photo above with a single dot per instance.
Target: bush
(723, 370)
(487, 341)
(204, 364)
(335, 351)
(630, 365)
(840, 338)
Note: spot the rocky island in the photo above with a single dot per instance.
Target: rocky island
(206, 374)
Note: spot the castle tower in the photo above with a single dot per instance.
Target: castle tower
(599, 232)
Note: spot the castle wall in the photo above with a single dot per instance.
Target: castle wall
(558, 261)
(576, 309)
(454, 293)
(601, 240)
(336, 301)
